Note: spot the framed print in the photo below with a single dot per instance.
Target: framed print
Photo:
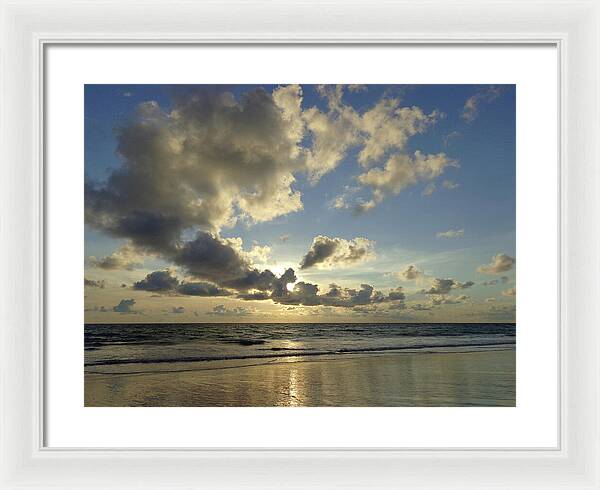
(331, 257)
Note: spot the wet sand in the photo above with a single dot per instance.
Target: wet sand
(481, 378)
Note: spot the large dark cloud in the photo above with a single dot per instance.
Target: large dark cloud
(330, 252)
(206, 163)
(207, 257)
(165, 281)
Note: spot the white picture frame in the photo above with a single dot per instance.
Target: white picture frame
(27, 28)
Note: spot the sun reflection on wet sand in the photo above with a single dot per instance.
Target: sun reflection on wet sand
(391, 379)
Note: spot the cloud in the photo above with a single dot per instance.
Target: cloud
(450, 234)
(448, 300)
(449, 137)
(165, 281)
(449, 184)
(100, 309)
(255, 296)
(125, 306)
(333, 133)
(357, 88)
(342, 201)
(201, 289)
(327, 253)
(220, 265)
(126, 257)
(127, 94)
(93, 283)
(222, 261)
(401, 171)
(208, 162)
(444, 286)
(397, 294)
(493, 282)
(223, 310)
(510, 292)
(209, 257)
(178, 309)
(473, 104)
(307, 294)
(420, 307)
(284, 238)
(429, 189)
(411, 273)
(389, 126)
(259, 253)
(500, 263)
(157, 281)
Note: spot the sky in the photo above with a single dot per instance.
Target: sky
(299, 203)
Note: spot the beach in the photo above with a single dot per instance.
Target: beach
(462, 376)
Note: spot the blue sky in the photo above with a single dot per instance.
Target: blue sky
(472, 196)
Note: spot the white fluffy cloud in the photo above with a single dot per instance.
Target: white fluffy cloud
(500, 263)
(401, 171)
(389, 126)
(386, 126)
(327, 253)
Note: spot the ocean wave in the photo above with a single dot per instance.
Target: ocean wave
(299, 353)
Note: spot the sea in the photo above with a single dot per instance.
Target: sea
(119, 345)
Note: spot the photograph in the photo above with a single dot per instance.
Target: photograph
(299, 245)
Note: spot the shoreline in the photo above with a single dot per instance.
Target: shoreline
(281, 352)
